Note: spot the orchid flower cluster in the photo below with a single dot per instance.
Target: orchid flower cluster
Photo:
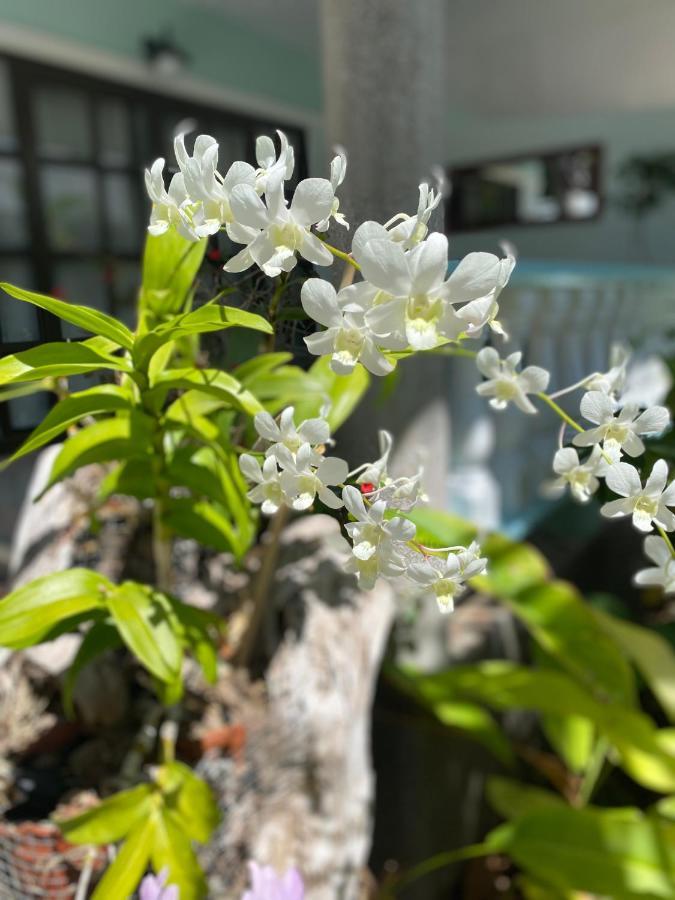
(295, 471)
(408, 299)
(616, 426)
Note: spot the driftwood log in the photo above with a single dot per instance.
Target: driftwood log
(301, 789)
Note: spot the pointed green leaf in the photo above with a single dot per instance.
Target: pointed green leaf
(198, 626)
(84, 317)
(211, 317)
(652, 655)
(170, 266)
(208, 381)
(56, 361)
(261, 364)
(205, 523)
(618, 853)
(172, 849)
(29, 613)
(96, 400)
(119, 438)
(341, 393)
(511, 799)
(123, 876)
(112, 819)
(192, 803)
(148, 626)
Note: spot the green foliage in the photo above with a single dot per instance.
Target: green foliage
(582, 683)
(156, 628)
(157, 823)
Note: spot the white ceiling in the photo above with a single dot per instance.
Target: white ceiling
(524, 57)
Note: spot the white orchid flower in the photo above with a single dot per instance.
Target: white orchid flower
(274, 232)
(481, 272)
(301, 479)
(347, 338)
(611, 382)
(647, 505)
(377, 542)
(580, 477)
(268, 489)
(505, 384)
(402, 228)
(270, 166)
(663, 573)
(169, 208)
(447, 577)
(375, 473)
(205, 185)
(415, 281)
(338, 170)
(315, 432)
(620, 429)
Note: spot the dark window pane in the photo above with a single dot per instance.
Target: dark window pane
(62, 123)
(114, 134)
(121, 209)
(80, 282)
(232, 145)
(18, 321)
(126, 278)
(71, 208)
(8, 138)
(13, 217)
(26, 412)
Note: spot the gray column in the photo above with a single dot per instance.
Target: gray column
(383, 70)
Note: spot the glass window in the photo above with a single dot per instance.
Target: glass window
(8, 140)
(18, 321)
(13, 213)
(62, 125)
(126, 278)
(26, 412)
(71, 207)
(80, 282)
(121, 209)
(114, 133)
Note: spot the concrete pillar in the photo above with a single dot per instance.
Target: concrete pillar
(384, 86)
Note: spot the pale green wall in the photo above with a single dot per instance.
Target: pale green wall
(222, 50)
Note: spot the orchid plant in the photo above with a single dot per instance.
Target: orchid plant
(209, 449)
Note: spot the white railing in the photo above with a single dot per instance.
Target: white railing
(564, 317)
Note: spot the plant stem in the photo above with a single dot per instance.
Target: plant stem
(440, 861)
(665, 537)
(260, 593)
(340, 254)
(560, 412)
(593, 772)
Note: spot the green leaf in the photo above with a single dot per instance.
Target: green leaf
(84, 317)
(170, 266)
(112, 819)
(56, 360)
(553, 611)
(172, 849)
(119, 438)
(618, 853)
(503, 685)
(341, 392)
(511, 799)
(211, 317)
(122, 878)
(29, 613)
(135, 478)
(572, 738)
(192, 803)
(473, 720)
(197, 625)
(147, 625)
(96, 400)
(97, 640)
(260, 365)
(208, 381)
(204, 522)
(652, 655)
